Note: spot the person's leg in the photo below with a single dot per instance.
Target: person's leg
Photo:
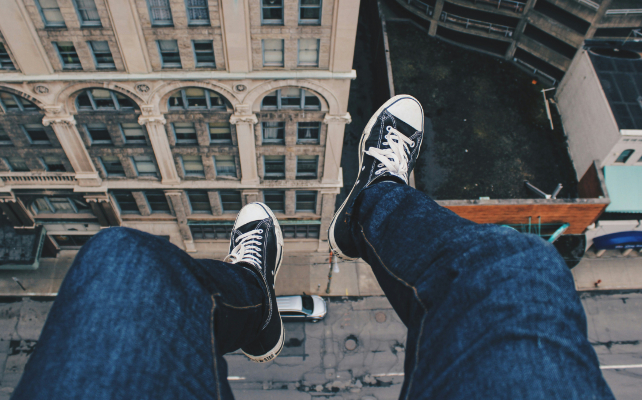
(138, 318)
(491, 313)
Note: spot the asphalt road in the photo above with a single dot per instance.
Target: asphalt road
(316, 363)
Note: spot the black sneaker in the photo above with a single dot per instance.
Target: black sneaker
(257, 242)
(388, 150)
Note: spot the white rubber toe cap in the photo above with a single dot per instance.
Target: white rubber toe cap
(250, 213)
(409, 111)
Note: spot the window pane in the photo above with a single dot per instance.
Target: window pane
(61, 205)
(269, 101)
(306, 201)
(102, 99)
(197, 11)
(306, 166)
(160, 12)
(112, 165)
(312, 102)
(145, 165)
(308, 132)
(275, 199)
(204, 52)
(126, 202)
(9, 101)
(200, 201)
(54, 164)
(230, 201)
(133, 132)
(68, 55)
(37, 134)
(102, 54)
(310, 11)
(624, 156)
(195, 98)
(193, 165)
(176, 100)
(309, 52)
(274, 167)
(5, 60)
(124, 102)
(157, 202)
(272, 11)
(88, 12)
(273, 52)
(98, 133)
(17, 164)
(274, 132)
(220, 132)
(169, 53)
(291, 98)
(5, 140)
(42, 206)
(185, 133)
(225, 165)
(51, 13)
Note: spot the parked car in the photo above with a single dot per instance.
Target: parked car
(301, 308)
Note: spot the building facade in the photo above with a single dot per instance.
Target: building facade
(169, 115)
(542, 36)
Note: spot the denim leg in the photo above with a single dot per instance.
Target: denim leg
(491, 313)
(138, 318)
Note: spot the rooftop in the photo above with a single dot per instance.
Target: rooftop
(625, 196)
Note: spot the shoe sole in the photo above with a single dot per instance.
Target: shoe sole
(362, 143)
(276, 350)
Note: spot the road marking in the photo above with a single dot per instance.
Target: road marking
(235, 378)
(621, 366)
(390, 374)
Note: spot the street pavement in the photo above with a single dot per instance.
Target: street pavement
(316, 364)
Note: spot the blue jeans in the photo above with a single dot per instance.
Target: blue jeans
(491, 313)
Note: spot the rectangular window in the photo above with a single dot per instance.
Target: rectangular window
(17, 164)
(301, 231)
(170, 57)
(290, 98)
(133, 132)
(102, 55)
(159, 12)
(306, 201)
(50, 12)
(225, 166)
(98, 133)
(197, 12)
(193, 165)
(275, 199)
(37, 134)
(273, 132)
(87, 12)
(199, 201)
(68, 56)
(309, 12)
(5, 60)
(308, 132)
(71, 242)
(272, 52)
(230, 200)
(210, 232)
(309, 52)
(274, 167)
(272, 12)
(112, 166)
(157, 202)
(54, 164)
(624, 156)
(220, 132)
(58, 205)
(5, 140)
(306, 167)
(204, 53)
(185, 133)
(145, 165)
(126, 202)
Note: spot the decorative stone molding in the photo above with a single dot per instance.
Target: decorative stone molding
(59, 119)
(142, 88)
(40, 89)
(244, 119)
(149, 116)
(97, 198)
(343, 119)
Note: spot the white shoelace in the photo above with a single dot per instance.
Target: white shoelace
(248, 249)
(395, 158)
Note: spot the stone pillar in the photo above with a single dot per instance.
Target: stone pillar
(344, 34)
(104, 209)
(175, 197)
(155, 125)
(64, 125)
(333, 146)
(235, 25)
(250, 196)
(15, 211)
(129, 36)
(247, 148)
(327, 199)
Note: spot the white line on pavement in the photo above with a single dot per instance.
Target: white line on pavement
(621, 366)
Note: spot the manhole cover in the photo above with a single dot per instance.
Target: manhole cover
(380, 317)
(351, 343)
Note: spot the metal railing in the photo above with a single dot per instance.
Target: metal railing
(516, 6)
(475, 24)
(626, 12)
(426, 8)
(535, 70)
(22, 178)
(590, 4)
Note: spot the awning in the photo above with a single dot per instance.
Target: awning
(624, 184)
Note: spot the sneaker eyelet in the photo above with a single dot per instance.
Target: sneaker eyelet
(388, 128)
(380, 165)
(260, 230)
(412, 144)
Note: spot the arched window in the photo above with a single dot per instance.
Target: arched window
(12, 103)
(104, 100)
(291, 99)
(196, 99)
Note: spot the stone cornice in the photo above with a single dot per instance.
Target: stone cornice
(59, 119)
(243, 119)
(150, 119)
(342, 119)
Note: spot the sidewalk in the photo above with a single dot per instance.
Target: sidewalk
(300, 273)
(615, 273)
